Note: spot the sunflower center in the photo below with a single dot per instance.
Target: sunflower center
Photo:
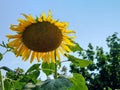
(42, 37)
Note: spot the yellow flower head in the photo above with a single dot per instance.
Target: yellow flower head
(41, 38)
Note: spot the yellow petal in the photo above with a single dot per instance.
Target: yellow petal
(38, 56)
(69, 31)
(28, 52)
(53, 56)
(20, 50)
(44, 58)
(58, 55)
(40, 19)
(66, 48)
(43, 16)
(68, 41)
(62, 24)
(25, 52)
(14, 36)
(48, 57)
(32, 57)
(22, 21)
(29, 18)
(16, 28)
(61, 51)
(15, 43)
(49, 18)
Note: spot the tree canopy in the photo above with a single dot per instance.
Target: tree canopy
(104, 73)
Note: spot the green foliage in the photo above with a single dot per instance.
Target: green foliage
(32, 68)
(13, 84)
(61, 83)
(4, 45)
(17, 80)
(78, 61)
(104, 73)
(32, 73)
(76, 48)
(8, 84)
(1, 56)
(48, 68)
(7, 49)
(109, 88)
(78, 82)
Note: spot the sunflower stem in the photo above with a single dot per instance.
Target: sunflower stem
(55, 66)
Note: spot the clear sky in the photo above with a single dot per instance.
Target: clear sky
(93, 20)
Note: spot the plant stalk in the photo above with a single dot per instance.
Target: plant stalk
(1, 81)
(55, 76)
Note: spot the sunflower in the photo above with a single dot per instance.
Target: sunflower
(40, 38)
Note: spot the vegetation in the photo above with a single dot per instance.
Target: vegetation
(104, 73)
(93, 69)
(19, 80)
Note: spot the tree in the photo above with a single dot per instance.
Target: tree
(104, 73)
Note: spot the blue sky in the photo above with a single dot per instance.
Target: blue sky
(93, 20)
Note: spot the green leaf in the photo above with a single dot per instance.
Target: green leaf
(32, 68)
(78, 82)
(75, 48)
(78, 61)
(56, 84)
(8, 84)
(32, 74)
(48, 68)
(1, 56)
(111, 89)
(18, 85)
